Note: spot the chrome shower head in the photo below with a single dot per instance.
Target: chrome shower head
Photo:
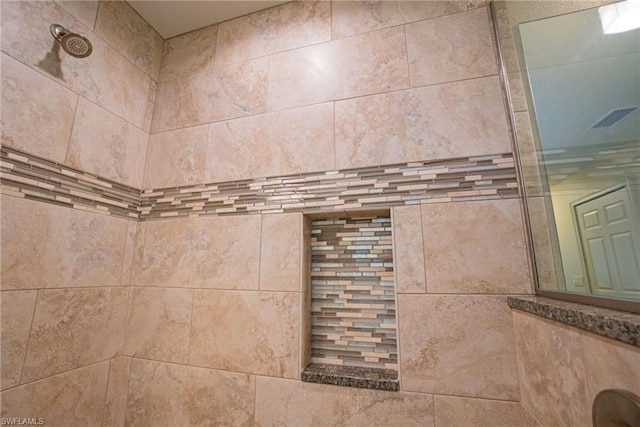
(74, 44)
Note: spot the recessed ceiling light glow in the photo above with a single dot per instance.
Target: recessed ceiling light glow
(620, 17)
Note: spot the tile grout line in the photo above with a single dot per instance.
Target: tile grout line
(73, 127)
(26, 351)
(106, 393)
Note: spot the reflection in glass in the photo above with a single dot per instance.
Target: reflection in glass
(585, 87)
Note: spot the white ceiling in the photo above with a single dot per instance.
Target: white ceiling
(578, 74)
(175, 17)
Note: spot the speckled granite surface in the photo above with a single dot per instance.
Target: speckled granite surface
(351, 376)
(612, 324)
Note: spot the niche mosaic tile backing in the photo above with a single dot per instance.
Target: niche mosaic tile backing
(458, 179)
(353, 308)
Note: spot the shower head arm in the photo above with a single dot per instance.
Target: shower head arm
(57, 31)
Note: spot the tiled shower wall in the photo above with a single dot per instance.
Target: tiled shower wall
(304, 87)
(312, 86)
(66, 272)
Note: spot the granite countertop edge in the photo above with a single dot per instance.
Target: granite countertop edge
(349, 376)
(617, 325)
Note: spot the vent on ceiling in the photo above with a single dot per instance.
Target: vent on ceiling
(612, 117)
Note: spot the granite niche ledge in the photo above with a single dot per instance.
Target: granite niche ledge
(351, 376)
(617, 325)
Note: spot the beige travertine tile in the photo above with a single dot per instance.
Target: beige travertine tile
(188, 53)
(517, 92)
(158, 324)
(460, 411)
(74, 328)
(530, 160)
(137, 260)
(545, 261)
(464, 118)
(17, 313)
(280, 252)
(25, 30)
(151, 103)
(305, 329)
(211, 252)
(127, 32)
(503, 27)
(356, 66)
(163, 394)
(510, 55)
(294, 403)
(277, 29)
(158, 100)
(355, 17)
(451, 48)
(280, 143)
(176, 158)
(106, 77)
(553, 376)
(30, 121)
(54, 247)
(115, 406)
(475, 247)
(214, 95)
(107, 145)
(74, 398)
(84, 11)
(457, 345)
(524, 12)
(254, 332)
(408, 250)
(305, 295)
(610, 364)
(132, 252)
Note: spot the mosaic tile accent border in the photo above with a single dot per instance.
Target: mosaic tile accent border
(369, 188)
(31, 177)
(353, 304)
(460, 179)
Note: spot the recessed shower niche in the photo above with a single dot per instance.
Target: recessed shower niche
(353, 305)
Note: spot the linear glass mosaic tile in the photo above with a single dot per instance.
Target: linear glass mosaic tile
(35, 178)
(353, 308)
(376, 187)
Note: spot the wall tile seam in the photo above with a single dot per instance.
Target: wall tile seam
(26, 349)
(276, 52)
(70, 288)
(269, 110)
(482, 177)
(190, 288)
(404, 24)
(270, 55)
(265, 12)
(106, 390)
(105, 39)
(59, 374)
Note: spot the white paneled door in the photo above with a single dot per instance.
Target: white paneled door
(610, 240)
